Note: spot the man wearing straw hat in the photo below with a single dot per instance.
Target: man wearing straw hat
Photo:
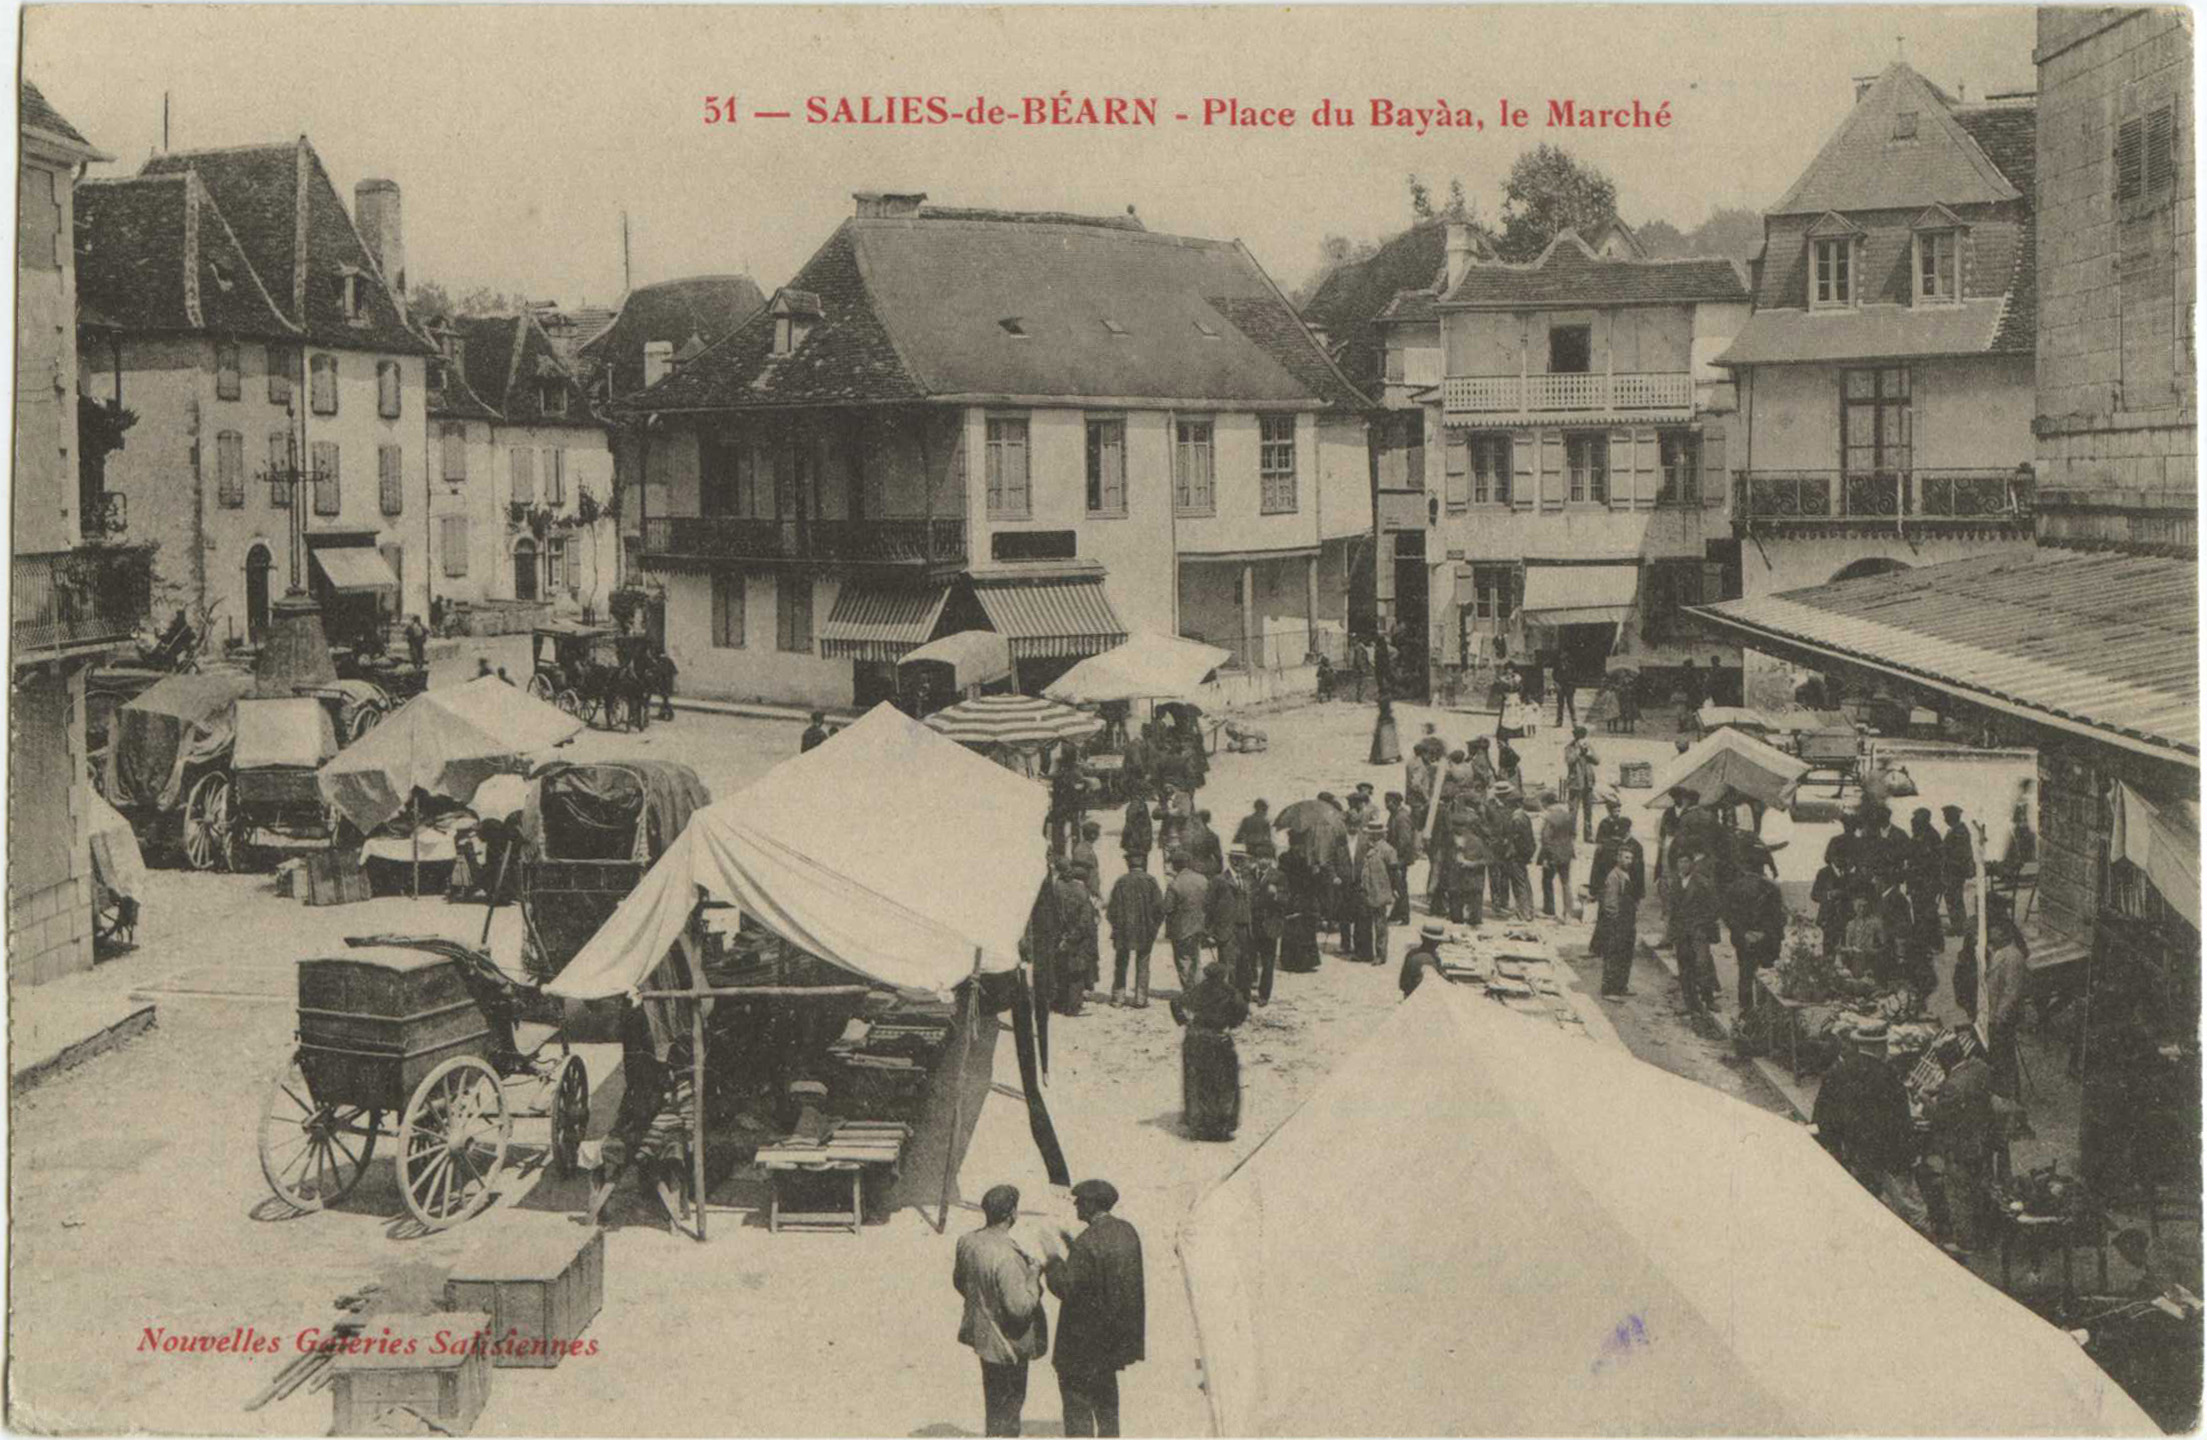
(1861, 1117)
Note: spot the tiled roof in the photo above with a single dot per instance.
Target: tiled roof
(1569, 274)
(1874, 332)
(2104, 644)
(1865, 167)
(2008, 134)
(1351, 301)
(1412, 307)
(916, 307)
(299, 239)
(38, 115)
(506, 359)
(452, 392)
(155, 254)
(1031, 217)
(708, 306)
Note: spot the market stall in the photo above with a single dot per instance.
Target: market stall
(1146, 666)
(1013, 730)
(951, 668)
(813, 891)
(1630, 1309)
(1729, 766)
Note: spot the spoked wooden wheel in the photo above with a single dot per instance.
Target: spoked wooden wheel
(313, 1155)
(540, 685)
(571, 702)
(452, 1142)
(366, 718)
(107, 915)
(570, 1111)
(209, 837)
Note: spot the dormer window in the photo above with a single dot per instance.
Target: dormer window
(1904, 125)
(352, 295)
(785, 335)
(795, 313)
(551, 397)
(1831, 280)
(1938, 267)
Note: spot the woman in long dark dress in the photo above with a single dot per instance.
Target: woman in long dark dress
(1210, 1067)
(1299, 923)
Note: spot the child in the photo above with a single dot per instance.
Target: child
(1864, 950)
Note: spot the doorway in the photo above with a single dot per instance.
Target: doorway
(1583, 651)
(258, 562)
(1412, 614)
(524, 569)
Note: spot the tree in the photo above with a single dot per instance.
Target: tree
(1334, 252)
(1458, 207)
(1662, 240)
(430, 301)
(1547, 193)
(1731, 232)
(1421, 200)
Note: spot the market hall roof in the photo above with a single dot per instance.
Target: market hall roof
(2097, 643)
(299, 241)
(1569, 273)
(935, 305)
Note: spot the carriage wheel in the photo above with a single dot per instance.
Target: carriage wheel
(540, 685)
(312, 1154)
(452, 1142)
(210, 840)
(366, 718)
(570, 1113)
(572, 703)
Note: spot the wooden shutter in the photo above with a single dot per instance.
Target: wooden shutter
(1555, 481)
(1716, 480)
(1458, 464)
(2130, 159)
(1626, 473)
(280, 360)
(390, 483)
(524, 475)
(386, 389)
(2160, 149)
(226, 370)
(454, 545)
(1524, 471)
(279, 461)
(328, 484)
(555, 475)
(230, 469)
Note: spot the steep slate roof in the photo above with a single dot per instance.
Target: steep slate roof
(300, 241)
(707, 306)
(36, 114)
(2008, 134)
(1569, 274)
(155, 254)
(1355, 297)
(1862, 168)
(914, 307)
(451, 394)
(504, 357)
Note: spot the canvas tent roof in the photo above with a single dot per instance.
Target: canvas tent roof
(945, 863)
(1145, 666)
(1730, 759)
(975, 657)
(1576, 1266)
(446, 741)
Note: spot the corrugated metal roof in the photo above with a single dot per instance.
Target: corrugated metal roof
(871, 622)
(1053, 620)
(2098, 642)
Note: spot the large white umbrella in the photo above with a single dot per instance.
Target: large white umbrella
(1012, 720)
(1145, 667)
(447, 742)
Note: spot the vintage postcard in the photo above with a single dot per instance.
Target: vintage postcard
(1176, 720)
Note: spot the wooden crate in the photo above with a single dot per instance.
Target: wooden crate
(444, 1380)
(335, 878)
(371, 1028)
(542, 1283)
(1636, 774)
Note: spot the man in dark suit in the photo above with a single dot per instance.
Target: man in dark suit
(1100, 1313)
(816, 733)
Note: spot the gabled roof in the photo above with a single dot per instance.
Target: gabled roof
(1569, 274)
(2008, 134)
(452, 396)
(1863, 167)
(708, 306)
(299, 239)
(1937, 217)
(1355, 297)
(911, 307)
(155, 254)
(506, 360)
(1831, 222)
(39, 117)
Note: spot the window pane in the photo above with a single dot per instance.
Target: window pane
(226, 370)
(327, 481)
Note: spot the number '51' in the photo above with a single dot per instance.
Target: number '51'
(720, 109)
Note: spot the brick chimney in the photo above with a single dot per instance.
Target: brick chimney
(1862, 84)
(1459, 252)
(376, 213)
(885, 205)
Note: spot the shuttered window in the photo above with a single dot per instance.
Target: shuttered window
(793, 609)
(324, 398)
(452, 540)
(1586, 456)
(1009, 495)
(230, 469)
(1681, 458)
(452, 444)
(728, 618)
(1457, 456)
(555, 476)
(279, 463)
(2160, 150)
(1276, 464)
(1107, 467)
(328, 483)
(2130, 159)
(283, 364)
(228, 385)
(1194, 476)
(1491, 463)
(390, 479)
(524, 475)
(386, 389)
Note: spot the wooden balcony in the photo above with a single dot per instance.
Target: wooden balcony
(67, 601)
(904, 543)
(1655, 394)
(1952, 498)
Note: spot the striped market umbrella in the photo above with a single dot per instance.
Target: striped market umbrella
(1012, 720)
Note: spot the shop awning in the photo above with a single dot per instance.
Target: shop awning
(1580, 594)
(881, 622)
(2163, 841)
(1052, 619)
(2099, 644)
(355, 567)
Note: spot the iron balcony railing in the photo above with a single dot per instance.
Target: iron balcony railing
(1566, 394)
(1842, 497)
(75, 599)
(850, 542)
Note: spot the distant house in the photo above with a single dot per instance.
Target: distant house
(1886, 376)
(257, 329)
(75, 595)
(636, 347)
(1059, 427)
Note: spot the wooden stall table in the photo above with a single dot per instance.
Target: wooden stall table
(852, 1148)
(1766, 981)
(2066, 1231)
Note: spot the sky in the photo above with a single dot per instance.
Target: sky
(520, 134)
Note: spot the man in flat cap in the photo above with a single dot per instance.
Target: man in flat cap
(1101, 1313)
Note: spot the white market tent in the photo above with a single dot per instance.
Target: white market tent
(889, 851)
(1563, 1240)
(1731, 760)
(1145, 667)
(975, 657)
(445, 741)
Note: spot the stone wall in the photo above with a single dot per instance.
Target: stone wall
(50, 867)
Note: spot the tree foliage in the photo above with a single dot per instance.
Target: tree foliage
(1548, 192)
(431, 300)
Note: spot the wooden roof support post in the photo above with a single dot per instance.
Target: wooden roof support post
(958, 1093)
(699, 992)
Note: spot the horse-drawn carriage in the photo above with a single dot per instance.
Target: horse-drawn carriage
(594, 672)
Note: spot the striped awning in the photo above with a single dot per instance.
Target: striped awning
(1052, 619)
(880, 622)
(1012, 720)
